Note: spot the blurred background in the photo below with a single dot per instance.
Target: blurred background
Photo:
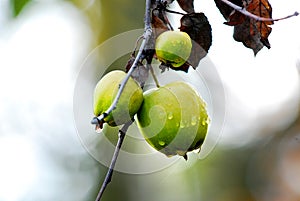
(49, 59)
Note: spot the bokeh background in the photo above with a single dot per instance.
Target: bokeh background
(43, 46)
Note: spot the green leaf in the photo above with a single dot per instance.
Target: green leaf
(17, 6)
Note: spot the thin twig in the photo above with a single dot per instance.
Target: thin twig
(146, 36)
(122, 133)
(251, 15)
(110, 171)
(174, 12)
(136, 44)
(167, 20)
(149, 66)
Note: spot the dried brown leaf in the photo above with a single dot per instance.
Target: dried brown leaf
(199, 29)
(235, 18)
(158, 24)
(140, 74)
(262, 8)
(187, 5)
(252, 33)
(248, 35)
(226, 10)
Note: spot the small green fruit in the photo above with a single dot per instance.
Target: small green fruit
(128, 104)
(173, 119)
(173, 47)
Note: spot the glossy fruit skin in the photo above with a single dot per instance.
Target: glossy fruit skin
(173, 119)
(173, 47)
(128, 104)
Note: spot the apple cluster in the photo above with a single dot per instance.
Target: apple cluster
(172, 118)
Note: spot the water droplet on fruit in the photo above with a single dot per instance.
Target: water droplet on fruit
(194, 121)
(161, 143)
(170, 115)
(182, 124)
(204, 122)
(98, 128)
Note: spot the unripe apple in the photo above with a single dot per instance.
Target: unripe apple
(173, 47)
(173, 119)
(128, 104)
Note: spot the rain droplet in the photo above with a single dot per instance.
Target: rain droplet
(184, 124)
(170, 115)
(194, 121)
(181, 125)
(161, 143)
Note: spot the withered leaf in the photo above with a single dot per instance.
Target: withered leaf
(226, 10)
(140, 74)
(187, 5)
(199, 29)
(235, 18)
(250, 38)
(252, 33)
(262, 8)
(158, 24)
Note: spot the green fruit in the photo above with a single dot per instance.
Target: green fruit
(173, 119)
(173, 47)
(128, 104)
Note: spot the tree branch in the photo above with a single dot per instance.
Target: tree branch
(110, 171)
(147, 34)
(258, 18)
(98, 120)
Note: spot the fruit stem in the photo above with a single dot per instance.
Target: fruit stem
(107, 180)
(149, 66)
